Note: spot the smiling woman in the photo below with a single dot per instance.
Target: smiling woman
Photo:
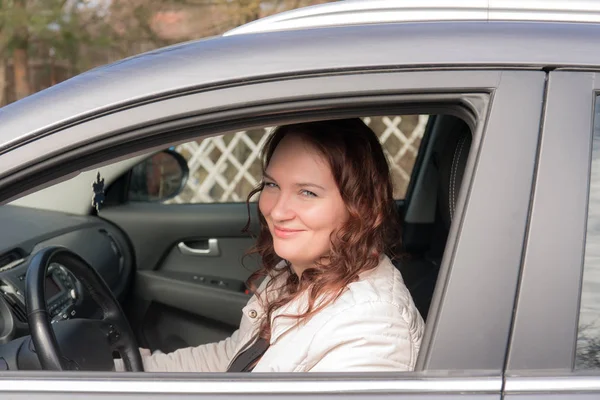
(300, 201)
(331, 299)
(328, 218)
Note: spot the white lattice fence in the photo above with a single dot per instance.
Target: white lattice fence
(226, 168)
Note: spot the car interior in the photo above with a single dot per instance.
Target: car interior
(430, 204)
(177, 272)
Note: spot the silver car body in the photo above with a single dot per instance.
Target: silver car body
(504, 322)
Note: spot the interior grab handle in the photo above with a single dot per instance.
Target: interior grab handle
(211, 251)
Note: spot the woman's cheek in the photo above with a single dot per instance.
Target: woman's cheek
(318, 216)
(265, 203)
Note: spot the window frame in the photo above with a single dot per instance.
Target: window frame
(551, 309)
(478, 359)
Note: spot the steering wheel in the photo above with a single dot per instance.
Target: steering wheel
(86, 344)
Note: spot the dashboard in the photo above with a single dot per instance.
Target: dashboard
(63, 291)
(98, 242)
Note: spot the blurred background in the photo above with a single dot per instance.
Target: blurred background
(43, 42)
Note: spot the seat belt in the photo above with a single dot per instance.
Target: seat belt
(246, 360)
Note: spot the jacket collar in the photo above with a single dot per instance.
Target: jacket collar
(255, 309)
(280, 323)
(283, 324)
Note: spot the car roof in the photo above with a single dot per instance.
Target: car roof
(358, 12)
(205, 64)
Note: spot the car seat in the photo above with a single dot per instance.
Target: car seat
(424, 248)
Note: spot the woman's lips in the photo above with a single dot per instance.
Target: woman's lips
(285, 233)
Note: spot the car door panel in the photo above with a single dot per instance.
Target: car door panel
(186, 298)
(155, 230)
(179, 314)
(228, 264)
(210, 301)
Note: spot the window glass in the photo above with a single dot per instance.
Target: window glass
(226, 168)
(588, 338)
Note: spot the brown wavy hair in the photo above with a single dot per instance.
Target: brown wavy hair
(360, 170)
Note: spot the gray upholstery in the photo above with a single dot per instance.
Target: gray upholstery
(452, 167)
(420, 270)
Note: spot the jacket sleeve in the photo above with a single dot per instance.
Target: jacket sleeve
(211, 357)
(373, 336)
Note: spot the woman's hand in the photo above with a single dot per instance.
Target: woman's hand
(145, 352)
(120, 365)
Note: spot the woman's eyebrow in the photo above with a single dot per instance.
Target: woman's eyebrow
(265, 175)
(310, 185)
(307, 184)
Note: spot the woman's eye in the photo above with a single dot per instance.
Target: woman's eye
(308, 193)
(270, 185)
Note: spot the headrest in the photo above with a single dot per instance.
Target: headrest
(452, 161)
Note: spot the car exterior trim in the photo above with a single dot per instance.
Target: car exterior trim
(140, 385)
(346, 13)
(552, 384)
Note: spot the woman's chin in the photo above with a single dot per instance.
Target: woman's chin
(290, 256)
(285, 249)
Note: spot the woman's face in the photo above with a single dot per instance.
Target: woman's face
(301, 203)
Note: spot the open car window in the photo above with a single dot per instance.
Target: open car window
(225, 168)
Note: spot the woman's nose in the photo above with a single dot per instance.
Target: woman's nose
(282, 209)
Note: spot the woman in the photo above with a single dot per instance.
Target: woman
(331, 299)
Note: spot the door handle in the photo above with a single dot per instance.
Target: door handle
(211, 251)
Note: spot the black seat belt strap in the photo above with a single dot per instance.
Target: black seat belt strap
(246, 360)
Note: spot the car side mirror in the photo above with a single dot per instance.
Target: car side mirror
(159, 177)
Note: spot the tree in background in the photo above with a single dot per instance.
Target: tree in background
(43, 42)
(41, 31)
(14, 31)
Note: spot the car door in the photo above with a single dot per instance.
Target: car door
(464, 348)
(554, 344)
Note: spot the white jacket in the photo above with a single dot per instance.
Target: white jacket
(372, 326)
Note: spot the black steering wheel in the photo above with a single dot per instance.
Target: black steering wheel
(86, 344)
